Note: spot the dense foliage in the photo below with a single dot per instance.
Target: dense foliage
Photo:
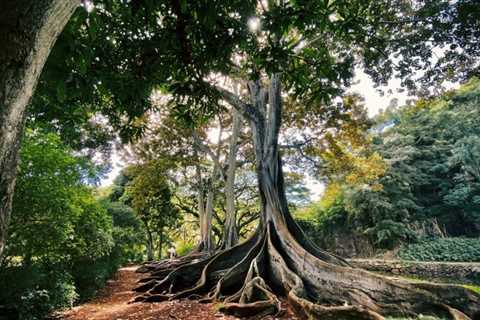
(64, 243)
(151, 199)
(443, 249)
(431, 185)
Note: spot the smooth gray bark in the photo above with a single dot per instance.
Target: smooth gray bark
(206, 209)
(230, 233)
(210, 246)
(28, 30)
(200, 205)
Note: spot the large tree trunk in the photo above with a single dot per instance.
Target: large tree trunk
(280, 260)
(28, 30)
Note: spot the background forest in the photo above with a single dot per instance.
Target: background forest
(426, 200)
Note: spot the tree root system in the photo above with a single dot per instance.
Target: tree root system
(247, 280)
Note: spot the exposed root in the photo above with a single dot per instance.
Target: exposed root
(153, 266)
(249, 277)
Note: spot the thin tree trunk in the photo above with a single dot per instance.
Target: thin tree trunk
(207, 240)
(149, 240)
(28, 30)
(160, 243)
(230, 235)
(201, 205)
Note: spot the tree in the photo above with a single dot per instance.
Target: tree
(28, 31)
(312, 59)
(430, 151)
(230, 231)
(53, 207)
(150, 197)
(207, 165)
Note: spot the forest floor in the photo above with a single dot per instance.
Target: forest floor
(112, 303)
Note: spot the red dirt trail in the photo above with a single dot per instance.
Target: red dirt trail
(112, 304)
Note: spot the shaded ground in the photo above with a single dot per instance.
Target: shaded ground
(112, 304)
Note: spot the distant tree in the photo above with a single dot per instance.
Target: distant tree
(56, 216)
(150, 197)
(428, 184)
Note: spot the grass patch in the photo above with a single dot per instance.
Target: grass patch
(418, 318)
(472, 287)
(218, 306)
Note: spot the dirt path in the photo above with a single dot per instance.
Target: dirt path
(112, 304)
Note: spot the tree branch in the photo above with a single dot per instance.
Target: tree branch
(297, 144)
(247, 110)
(215, 157)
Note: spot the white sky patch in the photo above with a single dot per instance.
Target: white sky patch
(316, 188)
(253, 24)
(88, 5)
(374, 101)
(117, 166)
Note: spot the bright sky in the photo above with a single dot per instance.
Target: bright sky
(117, 166)
(374, 101)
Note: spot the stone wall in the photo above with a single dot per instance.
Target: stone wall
(458, 272)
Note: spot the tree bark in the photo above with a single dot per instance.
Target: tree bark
(160, 243)
(149, 242)
(205, 231)
(28, 30)
(280, 260)
(206, 242)
(230, 233)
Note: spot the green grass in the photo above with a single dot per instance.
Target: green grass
(419, 318)
(472, 287)
(415, 279)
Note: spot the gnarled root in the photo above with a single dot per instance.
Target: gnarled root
(248, 278)
(153, 266)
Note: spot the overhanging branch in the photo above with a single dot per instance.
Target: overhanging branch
(247, 110)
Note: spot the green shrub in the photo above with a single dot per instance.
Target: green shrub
(64, 243)
(184, 248)
(91, 275)
(34, 304)
(388, 233)
(34, 292)
(442, 249)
